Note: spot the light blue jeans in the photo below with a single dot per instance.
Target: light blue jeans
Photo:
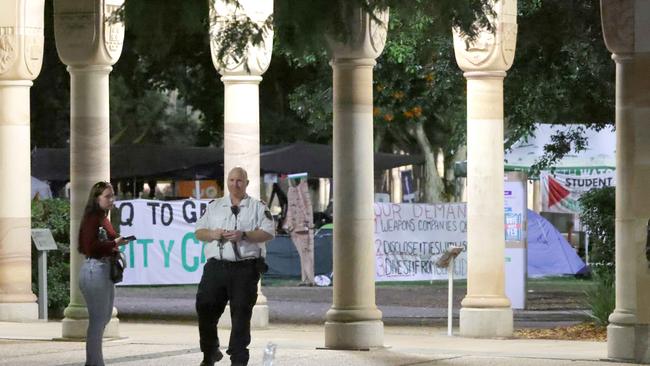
(99, 291)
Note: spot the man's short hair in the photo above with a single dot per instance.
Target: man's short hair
(241, 170)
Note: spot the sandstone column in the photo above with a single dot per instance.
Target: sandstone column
(241, 78)
(21, 56)
(88, 40)
(625, 30)
(353, 321)
(486, 310)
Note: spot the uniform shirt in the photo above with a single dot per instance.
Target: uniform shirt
(253, 215)
(97, 236)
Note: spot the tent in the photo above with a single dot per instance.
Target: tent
(549, 254)
(189, 163)
(283, 259)
(41, 188)
(316, 159)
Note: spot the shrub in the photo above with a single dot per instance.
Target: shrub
(54, 214)
(601, 298)
(598, 213)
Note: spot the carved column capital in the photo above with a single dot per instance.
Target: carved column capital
(625, 25)
(21, 39)
(88, 32)
(258, 57)
(366, 39)
(490, 51)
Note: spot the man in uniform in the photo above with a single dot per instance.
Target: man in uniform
(235, 228)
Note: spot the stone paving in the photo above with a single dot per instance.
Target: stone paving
(177, 344)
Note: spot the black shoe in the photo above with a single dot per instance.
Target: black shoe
(237, 364)
(216, 357)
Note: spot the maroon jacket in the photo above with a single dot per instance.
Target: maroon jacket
(91, 244)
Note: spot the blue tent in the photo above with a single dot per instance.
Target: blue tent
(549, 254)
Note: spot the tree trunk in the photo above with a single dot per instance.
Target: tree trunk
(433, 186)
(457, 183)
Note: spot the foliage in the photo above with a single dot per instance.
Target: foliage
(54, 214)
(602, 297)
(167, 49)
(150, 116)
(562, 73)
(563, 142)
(50, 94)
(598, 213)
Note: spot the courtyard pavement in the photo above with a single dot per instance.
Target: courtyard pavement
(161, 343)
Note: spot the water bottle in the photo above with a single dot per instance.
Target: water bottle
(269, 354)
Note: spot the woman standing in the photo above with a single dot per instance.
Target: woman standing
(97, 241)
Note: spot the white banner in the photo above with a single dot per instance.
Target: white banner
(410, 238)
(560, 192)
(165, 251)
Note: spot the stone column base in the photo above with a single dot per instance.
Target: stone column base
(622, 341)
(75, 329)
(354, 335)
(642, 344)
(486, 322)
(260, 319)
(18, 311)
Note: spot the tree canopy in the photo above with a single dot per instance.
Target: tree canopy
(165, 89)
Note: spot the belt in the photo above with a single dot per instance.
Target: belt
(224, 263)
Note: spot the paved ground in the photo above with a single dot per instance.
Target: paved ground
(158, 328)
(406, 305)
(300, 345)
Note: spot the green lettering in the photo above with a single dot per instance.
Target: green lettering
(145, 250)
(195, 260)
(131, 255)
(166, 250)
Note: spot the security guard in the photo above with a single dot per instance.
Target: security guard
(235, 228)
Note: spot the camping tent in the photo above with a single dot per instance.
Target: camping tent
(549, 254)
(283, 259)
(41, 188)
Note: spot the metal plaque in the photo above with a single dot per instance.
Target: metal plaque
(43, 239)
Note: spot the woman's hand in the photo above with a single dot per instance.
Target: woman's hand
(121, 241)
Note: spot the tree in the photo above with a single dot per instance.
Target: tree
(50, 94)
(563, 76)
(166, 50)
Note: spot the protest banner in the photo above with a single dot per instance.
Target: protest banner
(561, 190)
(166, 251)
(409, 239)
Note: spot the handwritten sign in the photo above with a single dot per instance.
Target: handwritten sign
(410, 238)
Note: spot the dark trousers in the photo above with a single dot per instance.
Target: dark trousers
(221, 282)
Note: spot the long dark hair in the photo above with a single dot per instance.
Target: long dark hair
(92, 206)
